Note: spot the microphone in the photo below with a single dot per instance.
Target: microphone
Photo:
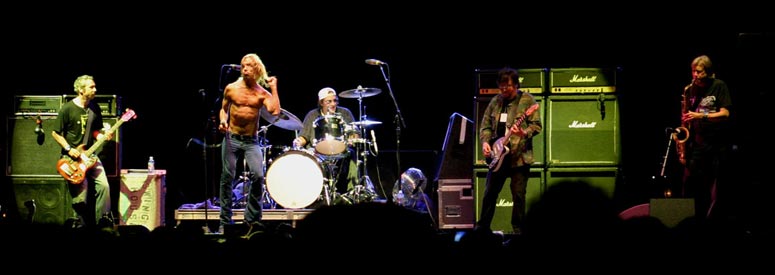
(39, 126)
(670, 130)
(375, 62)
(233, 66)
(374, 138)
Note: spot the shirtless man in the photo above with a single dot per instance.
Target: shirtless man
(239, 117)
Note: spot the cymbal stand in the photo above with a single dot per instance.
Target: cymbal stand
(364, 189)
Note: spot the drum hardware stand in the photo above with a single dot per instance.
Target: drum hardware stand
(266, 200)
(330, 196)
(363, 190)
(244, 182)
(329, 190)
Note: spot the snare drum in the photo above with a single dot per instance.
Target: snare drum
(329, 135)
(295, 179)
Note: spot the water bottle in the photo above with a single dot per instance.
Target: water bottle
(151, 165)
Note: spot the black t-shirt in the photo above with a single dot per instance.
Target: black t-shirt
(74, 120)
(716, 132)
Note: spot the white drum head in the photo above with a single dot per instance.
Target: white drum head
(295, 179)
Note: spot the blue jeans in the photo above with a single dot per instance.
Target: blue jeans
(95, 178)
(234, 147)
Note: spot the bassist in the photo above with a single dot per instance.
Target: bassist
(80, 123)
(499, 117)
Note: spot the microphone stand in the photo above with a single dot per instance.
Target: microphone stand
(398, 120)
(211, 130)
(667, 191)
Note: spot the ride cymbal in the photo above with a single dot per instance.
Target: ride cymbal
(360, 92)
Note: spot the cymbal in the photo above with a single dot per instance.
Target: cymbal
(366, 123)
(360, 92)
(285, 120)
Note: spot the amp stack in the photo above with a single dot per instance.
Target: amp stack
(38, 194)
(580, 138)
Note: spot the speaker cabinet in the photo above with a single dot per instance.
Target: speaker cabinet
(604, 178)
(502, 219)
(51, 198)
(671, 211)
(582, 130)
(457, 150)
(480, 104)
(31, 153)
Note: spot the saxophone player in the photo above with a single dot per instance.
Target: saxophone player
(706, 151)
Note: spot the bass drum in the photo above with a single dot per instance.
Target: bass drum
(295, 179)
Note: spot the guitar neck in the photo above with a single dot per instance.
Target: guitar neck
(518, 121)
(102, 139)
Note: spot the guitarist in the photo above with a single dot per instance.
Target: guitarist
(80, 123)
(499, 117)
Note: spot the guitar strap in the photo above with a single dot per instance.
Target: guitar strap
(87, 133)
(501, 131)
(501, 128)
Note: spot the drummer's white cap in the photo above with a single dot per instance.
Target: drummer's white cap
(326, 92)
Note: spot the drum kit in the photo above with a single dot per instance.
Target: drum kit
(297, 178)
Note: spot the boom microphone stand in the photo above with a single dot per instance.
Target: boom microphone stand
(399, 119)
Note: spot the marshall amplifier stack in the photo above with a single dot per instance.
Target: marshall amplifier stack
(580, 138)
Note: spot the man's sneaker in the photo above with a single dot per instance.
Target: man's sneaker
(253, 229)
(106, 221)
(75, 223)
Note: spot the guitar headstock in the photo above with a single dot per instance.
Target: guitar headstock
(128, 115)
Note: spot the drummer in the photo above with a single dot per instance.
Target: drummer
(331, 123)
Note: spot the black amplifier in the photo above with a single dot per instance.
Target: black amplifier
(30, 105)
(530, 80)
(582, 80)
(109, 104)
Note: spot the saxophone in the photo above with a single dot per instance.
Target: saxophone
(680, 143)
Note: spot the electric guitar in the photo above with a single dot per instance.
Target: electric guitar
(501, 146)
(74, 169)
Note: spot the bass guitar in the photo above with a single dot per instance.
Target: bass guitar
(501, 146)
(74, 169)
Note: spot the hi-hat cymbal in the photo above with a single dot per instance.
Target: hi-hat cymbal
(360, 92)
(285, 120)
(366, 123)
